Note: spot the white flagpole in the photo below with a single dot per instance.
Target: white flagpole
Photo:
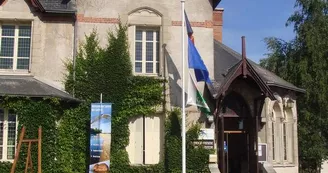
(183, 88)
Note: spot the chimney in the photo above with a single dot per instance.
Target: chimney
(217, 23)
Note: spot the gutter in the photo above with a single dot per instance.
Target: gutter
(74, 51)
(286, 87)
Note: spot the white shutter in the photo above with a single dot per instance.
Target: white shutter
(135, 147)
(153, 139)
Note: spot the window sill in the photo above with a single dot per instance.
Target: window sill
(149, 75)
(14, 72)
(141, 165)
(282, 165)
(2, 160)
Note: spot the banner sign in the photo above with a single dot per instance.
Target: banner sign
(100, 137)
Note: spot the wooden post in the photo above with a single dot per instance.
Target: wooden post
(221, 141)
(256, 158)
(28, 164)
(39, 150)
(21, 137)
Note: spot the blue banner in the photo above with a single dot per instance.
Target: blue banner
(100, 137)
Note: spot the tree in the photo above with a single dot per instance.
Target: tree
(304, 62)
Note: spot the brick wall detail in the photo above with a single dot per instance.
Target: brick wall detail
(83, 19)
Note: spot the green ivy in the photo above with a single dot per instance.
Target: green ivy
(66, 127)
(108, 71)
(32, 114)
(197, 158)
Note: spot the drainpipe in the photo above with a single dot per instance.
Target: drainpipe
(74, 51)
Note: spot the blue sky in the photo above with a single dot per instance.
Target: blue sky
(255, 19)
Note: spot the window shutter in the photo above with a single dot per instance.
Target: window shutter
(153, 139)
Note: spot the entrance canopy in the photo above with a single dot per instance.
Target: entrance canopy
(28, 86)
(228, 64)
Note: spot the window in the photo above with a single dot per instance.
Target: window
(284, 130)
(288, 136)
(273, 137)
(146, 59)
(277, 140)
(15, 45)
(8, 134)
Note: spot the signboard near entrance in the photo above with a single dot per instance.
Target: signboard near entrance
(205, 139)
(207, 144)
(206, 134)
(262, 152)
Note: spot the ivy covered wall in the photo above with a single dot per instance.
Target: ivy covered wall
(66, 127)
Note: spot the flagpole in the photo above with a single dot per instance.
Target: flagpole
(183, 88)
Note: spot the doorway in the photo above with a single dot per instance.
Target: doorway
(237, 134)
(236, 154)
(236, 139)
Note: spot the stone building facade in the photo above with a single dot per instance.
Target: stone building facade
(39, 36)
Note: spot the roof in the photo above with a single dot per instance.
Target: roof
(216, 3)
(226, 59)
(55, 6)
(29, 86)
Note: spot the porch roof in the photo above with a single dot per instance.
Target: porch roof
(226, 60)
(55, 6)
(29, 86)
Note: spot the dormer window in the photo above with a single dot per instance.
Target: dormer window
(15, 47)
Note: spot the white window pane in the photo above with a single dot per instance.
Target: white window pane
(149, 51)
(7, 47)
(6, 63)
(23, 64)
(25, 31)
(149, 67)
(138, 51)
(138, 35)
(149, 35)
(8, 30)
(11, 138)
(157, 51)
(11, 152)
(285, 140)
(138, 67)
(24, 47)
(157, 67)
(157, 36)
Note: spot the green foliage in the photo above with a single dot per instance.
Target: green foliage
(197, 158)
(73, 139)
(5, 166)
(32, 114)
(304, 62)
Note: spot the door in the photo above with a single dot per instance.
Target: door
(236, 152)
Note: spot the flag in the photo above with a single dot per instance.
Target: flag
(195, 98)
(195, 62)
(189, 29)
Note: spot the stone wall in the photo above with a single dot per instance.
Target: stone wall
(52, 40)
